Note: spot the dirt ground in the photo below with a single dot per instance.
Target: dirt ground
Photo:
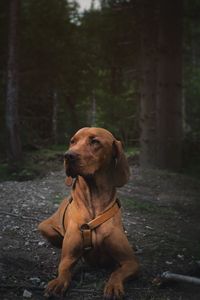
(161, 214)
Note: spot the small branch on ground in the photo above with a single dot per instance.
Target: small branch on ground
(168, 276)
(18, 216)
(18, 286)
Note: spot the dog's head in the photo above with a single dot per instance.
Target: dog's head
(95, 150)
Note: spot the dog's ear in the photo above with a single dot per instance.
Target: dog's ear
(68, 180)
(121, 171)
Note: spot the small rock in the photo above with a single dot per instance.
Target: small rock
(169, 262)
(180, 256)
(148, 227)
(133, 223)
(139, 251)
(35, 279)
(27, 294)
(43, 284)
(41, 243)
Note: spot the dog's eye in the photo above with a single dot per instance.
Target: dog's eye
(94, 141)
(72, 141)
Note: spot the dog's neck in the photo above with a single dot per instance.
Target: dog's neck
(93, 194)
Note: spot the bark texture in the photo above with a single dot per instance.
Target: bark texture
(12, 119)
(161, 84)
(169, 86)
(149, 33)
(55, 117)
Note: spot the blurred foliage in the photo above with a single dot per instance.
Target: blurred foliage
(191, 75)
(83, 59)
(91, 62)
(35, 163)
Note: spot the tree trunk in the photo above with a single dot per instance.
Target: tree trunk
(94, 109)
(149, 33)
(169, 86)
(71, 102)
(12, 120)
(54, 117)
(161, 99)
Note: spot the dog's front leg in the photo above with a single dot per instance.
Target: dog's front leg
(71, 251)
(118, 247)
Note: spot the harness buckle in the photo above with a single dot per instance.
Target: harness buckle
(87, 236)
(84, 226)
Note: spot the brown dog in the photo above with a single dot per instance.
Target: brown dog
(88, 223)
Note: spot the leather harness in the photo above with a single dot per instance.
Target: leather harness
(86, 228)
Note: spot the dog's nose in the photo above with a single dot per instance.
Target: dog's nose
(70, 156)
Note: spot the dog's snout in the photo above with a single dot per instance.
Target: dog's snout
(70, 156)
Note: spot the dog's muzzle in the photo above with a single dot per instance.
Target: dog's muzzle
(71, 159)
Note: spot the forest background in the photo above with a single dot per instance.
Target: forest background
(132, 67)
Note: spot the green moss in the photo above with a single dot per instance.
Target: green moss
(34, 164)
(131, 151)
(57, 199)
(145, 207)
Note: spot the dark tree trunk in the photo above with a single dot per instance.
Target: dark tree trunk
(149, 34)
(169, 86)
(12, 120)
(161, 99)
(93, 110)
(71, 102)
(55, 117)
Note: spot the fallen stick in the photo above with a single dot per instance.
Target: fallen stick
(19, 286)
(167, 276)
(18, 216)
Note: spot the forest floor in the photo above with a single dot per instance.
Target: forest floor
(161, 213)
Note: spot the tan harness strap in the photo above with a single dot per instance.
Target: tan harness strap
(105, 216)
(87, 228)
(63, 217)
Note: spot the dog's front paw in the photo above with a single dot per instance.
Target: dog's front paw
(114, 291)
(56, 287)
